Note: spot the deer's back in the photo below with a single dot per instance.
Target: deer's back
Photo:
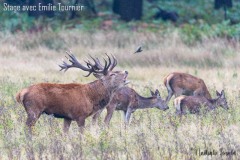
(124, 97)
(183, 80)
(187, 83)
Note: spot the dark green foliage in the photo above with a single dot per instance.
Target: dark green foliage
(192, 33)
(14, 21)
(222, 3)
(128, 9)
(38, 13)
(196, 19)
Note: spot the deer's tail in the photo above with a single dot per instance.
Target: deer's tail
(20, 96)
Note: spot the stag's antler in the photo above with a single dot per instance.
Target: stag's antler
(113, 64)
(74, 62)
(97, 65)
(97, 68)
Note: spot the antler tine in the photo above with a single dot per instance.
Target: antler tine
(110, 62)
(100, 70)
(75, 63)
(97, 64)
(63, 66)
(114, 59)
(105, 70)
(97, 67)
(73, 59)
(114, 63)
(88, 74)
(89, 64)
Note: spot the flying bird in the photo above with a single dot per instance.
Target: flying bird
(139, 49)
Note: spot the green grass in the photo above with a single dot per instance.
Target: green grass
(152, 134)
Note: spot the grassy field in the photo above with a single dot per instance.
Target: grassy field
(28, 58)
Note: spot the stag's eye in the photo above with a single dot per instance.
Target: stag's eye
(112, 74)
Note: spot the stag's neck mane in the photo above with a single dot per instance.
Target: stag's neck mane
(144, 102)
(98, 90)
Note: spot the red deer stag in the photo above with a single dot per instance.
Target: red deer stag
(193, 104)
(128, 100)
(185, 84)
(72, 102)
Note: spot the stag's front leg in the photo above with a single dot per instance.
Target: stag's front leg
(67, 123)
(81, 123)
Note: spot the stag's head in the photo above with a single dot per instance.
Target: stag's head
(161, 104)
(221, 100)
(109, 78)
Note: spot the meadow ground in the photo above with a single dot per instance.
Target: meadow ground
(28, 58)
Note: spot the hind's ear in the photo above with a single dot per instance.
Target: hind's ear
(157, 93)
(217, 93)
(152, 93)
(222, 94)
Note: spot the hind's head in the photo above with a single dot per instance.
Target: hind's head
(160, 103)
(221, 100)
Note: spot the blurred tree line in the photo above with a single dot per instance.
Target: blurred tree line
(127, 9)
(151, 12)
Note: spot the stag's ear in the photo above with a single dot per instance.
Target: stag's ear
(218, 94)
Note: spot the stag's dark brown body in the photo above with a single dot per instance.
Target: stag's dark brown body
(185, 84)
(69, 101)
(73, 102)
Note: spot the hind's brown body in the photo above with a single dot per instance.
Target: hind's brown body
(185, 84)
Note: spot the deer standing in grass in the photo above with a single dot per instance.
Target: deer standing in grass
(193, 104)
(185, 84)
(72, 102)
(128, 100)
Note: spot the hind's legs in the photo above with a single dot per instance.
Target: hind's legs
(170, 94)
